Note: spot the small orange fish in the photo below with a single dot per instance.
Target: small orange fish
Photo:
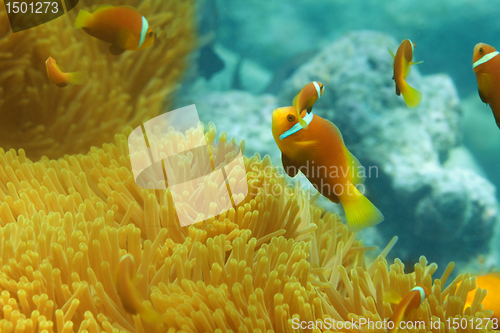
(306, 98)
(407, 305)
(402, 62)
(486, 65)
(130, 297)
(58, 77)
(321, 155)
(121, 26)
(490, 282)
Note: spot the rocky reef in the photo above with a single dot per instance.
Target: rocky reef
(433, 199)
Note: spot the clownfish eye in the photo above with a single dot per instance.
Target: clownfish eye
(481, 50)
(150, 34)
(290, 117)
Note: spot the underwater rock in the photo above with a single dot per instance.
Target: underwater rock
(434, 210)
(238, 73)
(238, 113)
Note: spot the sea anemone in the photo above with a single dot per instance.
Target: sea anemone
(274, 260)
(120, 91)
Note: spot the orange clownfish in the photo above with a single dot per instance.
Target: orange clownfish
(402, 62)
(321, 155)
(121, 26)
(407, 305)
(490, 282)
(486, 65)
(306, 98)
(130, 297)
(58, 77)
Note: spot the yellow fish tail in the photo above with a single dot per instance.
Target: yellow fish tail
(359, 211)
(302, 122)
(150, 315)
(76, 77)
(411, 95)
(82, 18)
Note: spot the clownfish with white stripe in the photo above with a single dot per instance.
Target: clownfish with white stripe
(321, 155)
(306, 98)
(403, 60)
(121, 26)
(486, 66)
(405, 305)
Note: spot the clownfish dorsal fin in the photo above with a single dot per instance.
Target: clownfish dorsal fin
(355, 169)
(392, 54)
(290, 169)
(101, 8)
(392, 296)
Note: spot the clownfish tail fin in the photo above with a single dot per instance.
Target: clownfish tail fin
(150, 315)
(359, 211)
(82, 18)
(76, 77)
(412, 96)
(302, 122)
(295, 102)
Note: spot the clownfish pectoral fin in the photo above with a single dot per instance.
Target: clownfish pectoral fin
(115, 50)
(412, 96)
(355, 169)
(359, 211)
(290, 169)
(416, 63)
(309, 150)
(392, 54)
(82, 18)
